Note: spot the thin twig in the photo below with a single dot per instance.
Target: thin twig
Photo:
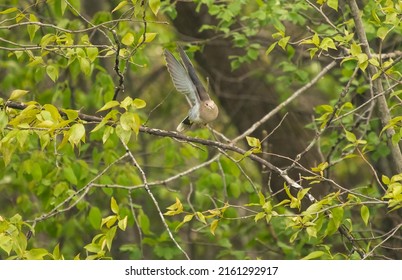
(145, 181)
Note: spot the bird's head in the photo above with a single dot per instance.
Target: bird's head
(209, 112)
(210, 105)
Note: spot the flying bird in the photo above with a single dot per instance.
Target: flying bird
(203, 108)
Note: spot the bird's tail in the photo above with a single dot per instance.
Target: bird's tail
(185, 124)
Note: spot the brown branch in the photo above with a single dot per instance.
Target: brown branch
(182, 137)
(116, 68)
(377, 88)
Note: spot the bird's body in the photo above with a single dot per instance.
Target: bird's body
(203, 108)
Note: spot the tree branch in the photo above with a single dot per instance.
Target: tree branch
(377, 88)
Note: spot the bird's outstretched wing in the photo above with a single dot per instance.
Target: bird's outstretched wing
(181, 78)
(202, 93)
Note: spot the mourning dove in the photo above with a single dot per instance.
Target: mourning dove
(203, 108)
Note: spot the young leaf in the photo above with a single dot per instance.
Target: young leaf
(313, 255)
(155, 5)
(32, 28)
(213, 226)
(113, 206)
(109, 105)
(77, 134)
(95, 217)
(122, 224)
(365, 214)
(53, 72)
(17, 94)
(201, 217)
(139, 103)
(270, 48)
(259, 216)
(333, 4)
(8, 11)
(149, 37)
(119, 6)
(128, 39)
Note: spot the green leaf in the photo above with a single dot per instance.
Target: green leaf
(385, 179)
(155, 5)
(119, 6)
(53, 72)
(109, 221)
(270, 48)
(143, 222)
(123, 134)
(311, 231)
(201, 217)
(350, 136)
(139, 103)
(110, 234)
(92, 53)
(130, 121)
(363, 61)
(6, 243)
(111, 115)
(122, 224)
(283, 42)
(60, 7)
(106, 134)
(253, 142)
(8, 11)
(113, 206)
(316, 40)
(327, 43)
(17, 93)
(333, 4)
(127, 102)
(56, 253)
(313, 255)
(77, 134)
(36, 254)
(95, 217)
(54, 112)
(108, 105)
(335, 221)
(85, 65)
(376, 75)
(149, 37)
(374, 61)
(69, 175)
(32, 28)
(261, 198)
(92, 248)
(382, 32)
(355, 49)
(186, 219)
(259, 216)
(71, 114)
(213, 226)
(3, 120)
(365, 214)
(128, 39)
